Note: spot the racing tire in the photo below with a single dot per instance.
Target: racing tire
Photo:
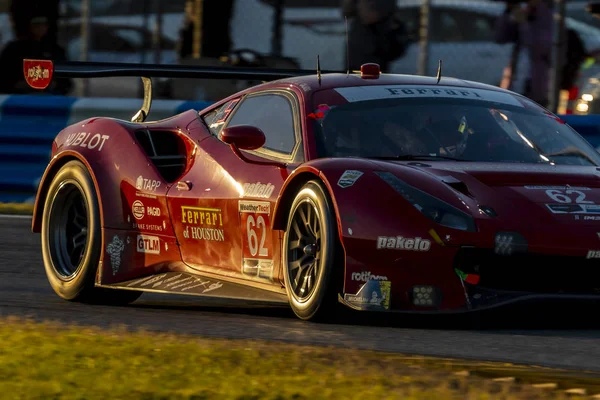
(310, 253)
(71, 237)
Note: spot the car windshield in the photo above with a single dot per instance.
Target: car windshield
(487, 126)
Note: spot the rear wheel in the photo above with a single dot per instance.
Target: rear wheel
(72, 238)
(309, 254)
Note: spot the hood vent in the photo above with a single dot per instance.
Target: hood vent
(456, 184)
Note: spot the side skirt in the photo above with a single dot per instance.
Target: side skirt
(197, 285)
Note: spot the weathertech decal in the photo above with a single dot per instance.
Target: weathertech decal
(402, 243)
(361, 93)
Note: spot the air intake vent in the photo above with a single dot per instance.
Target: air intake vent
(166, 150)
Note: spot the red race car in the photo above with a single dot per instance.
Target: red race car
(378, 192)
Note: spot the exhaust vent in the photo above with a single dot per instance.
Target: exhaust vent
(166, 150)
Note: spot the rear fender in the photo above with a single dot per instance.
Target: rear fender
(125, 180)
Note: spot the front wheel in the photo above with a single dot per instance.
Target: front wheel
(72, 238)
(310, 253)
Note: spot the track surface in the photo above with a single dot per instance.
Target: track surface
(551, 337)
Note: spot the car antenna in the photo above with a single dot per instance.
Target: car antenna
(347, 49)
(439, 73)
(318, 70)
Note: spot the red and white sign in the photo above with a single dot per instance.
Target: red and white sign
(38, 73)
(138, 210)
(148, 244)
(257, 236)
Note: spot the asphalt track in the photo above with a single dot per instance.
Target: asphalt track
(567, 337)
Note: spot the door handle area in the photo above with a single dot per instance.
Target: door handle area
(184, 185)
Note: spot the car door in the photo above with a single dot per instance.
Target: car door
(224, 205)
(276, 113)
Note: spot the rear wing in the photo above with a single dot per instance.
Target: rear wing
(39, 74)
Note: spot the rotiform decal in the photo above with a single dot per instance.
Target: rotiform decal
(402, 243)
(366, 276)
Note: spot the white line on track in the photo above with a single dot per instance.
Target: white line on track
(15, 216)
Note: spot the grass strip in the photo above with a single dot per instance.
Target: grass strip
(16, 208)
(49, 360)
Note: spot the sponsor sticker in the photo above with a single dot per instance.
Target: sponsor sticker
(593, 254)
(574, 208)
(372, 295)
(146, 184)
(148, 244)
(114, 250)
(257, 239)
(362, 93)
(366, 276)
(567, 187)
(137, 209)
(203, 223)
(348, 178)
(402, 243)
(87, 140)
(260, 190)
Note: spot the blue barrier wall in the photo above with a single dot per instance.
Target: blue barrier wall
(29, 123)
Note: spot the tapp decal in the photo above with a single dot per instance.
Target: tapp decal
(203, 223)
(146, 184)
(148, 244)
(402, 243)
(261, 190)
(114, 249)
(87, 140)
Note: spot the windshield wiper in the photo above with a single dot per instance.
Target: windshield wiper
(410, 157)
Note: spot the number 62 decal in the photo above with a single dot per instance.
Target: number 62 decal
(257, 240)
(568, 196)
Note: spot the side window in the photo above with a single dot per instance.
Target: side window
(216, 118)
(273, 114)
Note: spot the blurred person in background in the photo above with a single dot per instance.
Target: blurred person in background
(32, 40)
(531, 28)
(375, 34)
(216, 29)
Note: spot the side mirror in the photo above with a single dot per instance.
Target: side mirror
(244, 137)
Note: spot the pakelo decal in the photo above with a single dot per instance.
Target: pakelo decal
(348, 178)
(260, 190)
(402, 243)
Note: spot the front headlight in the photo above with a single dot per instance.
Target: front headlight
(433, 208)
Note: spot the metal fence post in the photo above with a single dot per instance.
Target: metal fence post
(276, 47)
(82, 90)
(157, 36)
(423, 59)
(197, 46)
(557, 55)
